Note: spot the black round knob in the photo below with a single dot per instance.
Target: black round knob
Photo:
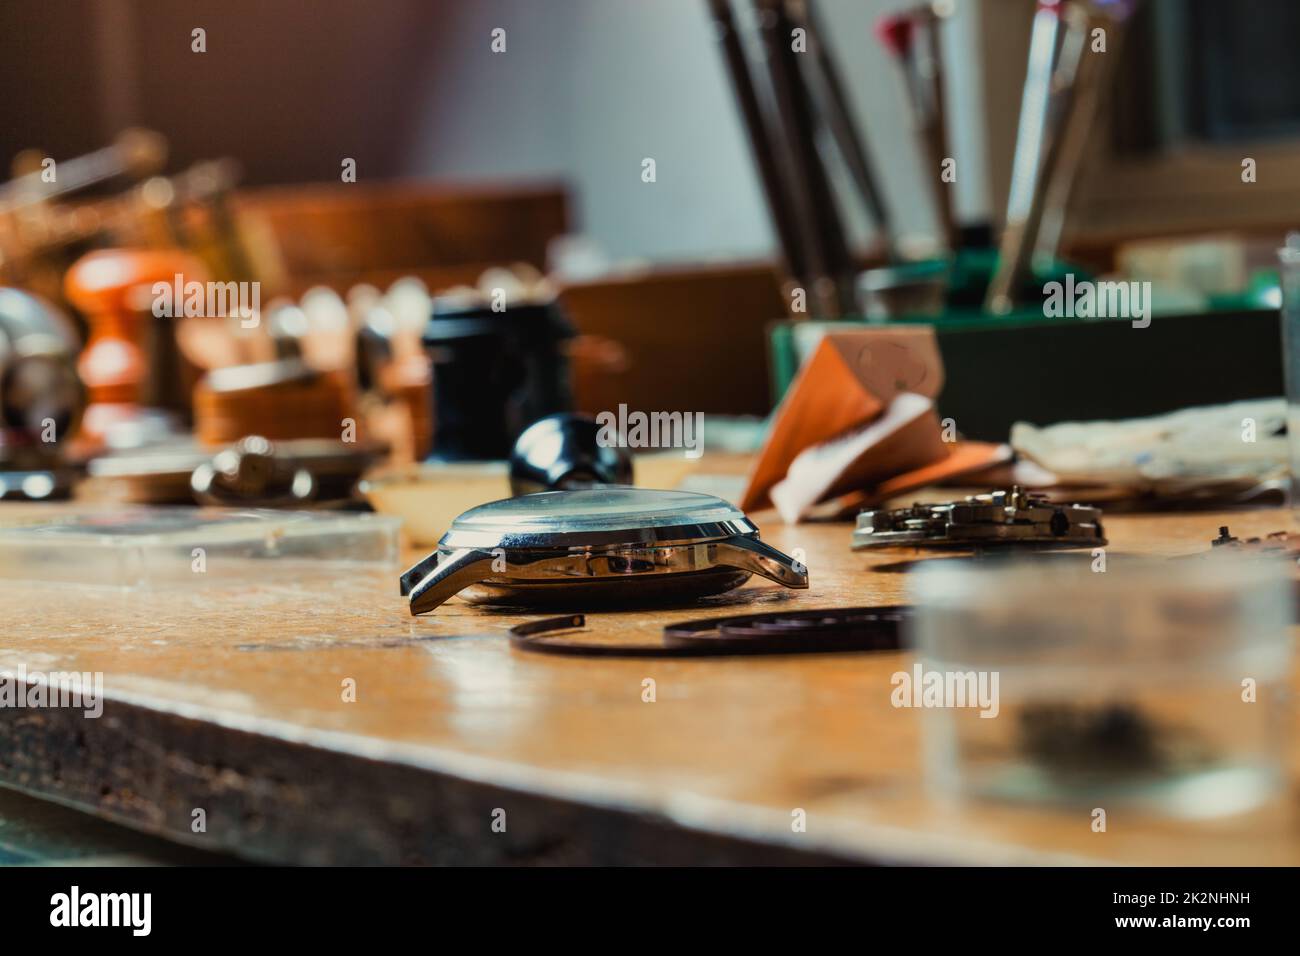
(563, 451)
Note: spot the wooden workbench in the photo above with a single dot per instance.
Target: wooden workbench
(232, 703)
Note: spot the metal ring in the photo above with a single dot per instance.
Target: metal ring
(825, 631)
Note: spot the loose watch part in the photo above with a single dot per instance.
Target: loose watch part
(1276, 542)
(997, 519)
(593, 547)
(807, 631)
(306, 472)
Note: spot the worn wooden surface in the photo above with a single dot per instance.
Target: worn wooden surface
(230, 700)
(35, 832)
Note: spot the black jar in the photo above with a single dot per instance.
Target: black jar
(494, 374)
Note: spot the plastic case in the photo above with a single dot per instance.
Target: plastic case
(138, 547)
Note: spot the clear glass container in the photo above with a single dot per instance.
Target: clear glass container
(1163, 684)
(1289, 260)
(134, 547)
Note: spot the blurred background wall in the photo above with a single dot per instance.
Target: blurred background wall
(410, 88)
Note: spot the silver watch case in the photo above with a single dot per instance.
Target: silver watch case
(592, 547)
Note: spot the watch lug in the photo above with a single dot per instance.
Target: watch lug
(417, 572)
(457, 571)
(751, 554)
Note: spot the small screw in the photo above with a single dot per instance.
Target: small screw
(1223, 538)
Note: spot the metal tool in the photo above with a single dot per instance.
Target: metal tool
(998, 519)
(818, 631)
(135, 153)
(795, 107)
(762, 140)
(45, 225)
(936, 129)
(1054, 53)
(833, 106)
(608, 546)
(920, 61)
(1092, 85)
(821, 230)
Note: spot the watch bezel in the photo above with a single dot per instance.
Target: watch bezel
(559, 540)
